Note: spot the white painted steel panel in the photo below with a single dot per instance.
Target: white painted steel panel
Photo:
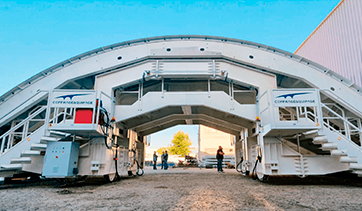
(337, 42)
(294, 97)
(258, 57)
(72, 99)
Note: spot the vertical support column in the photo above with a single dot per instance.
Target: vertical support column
(2, 142)
(25, 132)
(213, 68)
(246, 150)
(47, 114)
(359, 132)
(298, 143)
(113, 104)
(163, 87)
(140, 95)
(208, 87)
(319, 114)
(346, 125)
(231, 94)
(157, 68)
(260, 139)
(11, 135)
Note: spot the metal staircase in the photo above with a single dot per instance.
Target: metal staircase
(338, 136)
(27, 154)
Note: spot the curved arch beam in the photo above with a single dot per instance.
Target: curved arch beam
(124, 54)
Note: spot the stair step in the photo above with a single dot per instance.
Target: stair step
(348, 160)
(20, 160)
(320, 140)
(58, 134)
(359, 172)
(355, 166)
(336, 152)
(41, 147)
(30, 153)
(329, 146)
(46, 139)
(11, 167)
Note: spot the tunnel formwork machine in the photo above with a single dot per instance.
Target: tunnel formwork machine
(91, 114)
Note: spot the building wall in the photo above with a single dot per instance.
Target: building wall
(337, 42)
(210, 139)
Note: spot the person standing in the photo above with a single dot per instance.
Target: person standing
(162, 159)
(219, 157)
(165, 160)
(154, 160)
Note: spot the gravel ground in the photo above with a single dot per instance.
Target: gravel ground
(188, 189)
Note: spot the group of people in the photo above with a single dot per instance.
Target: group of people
(164, 158)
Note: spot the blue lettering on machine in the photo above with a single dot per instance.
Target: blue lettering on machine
(67, 100)
(296, 98)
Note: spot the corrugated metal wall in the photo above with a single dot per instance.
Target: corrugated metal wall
(337, 41)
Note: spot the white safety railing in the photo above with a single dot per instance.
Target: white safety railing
(64, 117)
(265, 109)
(348, 128)
(7, 140)
(38, 95)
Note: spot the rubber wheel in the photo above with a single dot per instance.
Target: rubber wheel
(242, 168)
(130, 173)
(80, 179)
(262, 177)
(140, 172)
(110, 177)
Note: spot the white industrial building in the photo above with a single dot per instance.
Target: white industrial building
(209, 141)
(337, 42)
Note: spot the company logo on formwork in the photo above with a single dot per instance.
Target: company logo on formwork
(292, 100)
(71, 101)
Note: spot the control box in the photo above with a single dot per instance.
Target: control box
(61, 159)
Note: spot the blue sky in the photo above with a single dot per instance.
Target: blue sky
(35, 35)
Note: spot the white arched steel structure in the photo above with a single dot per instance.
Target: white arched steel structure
(297, 116)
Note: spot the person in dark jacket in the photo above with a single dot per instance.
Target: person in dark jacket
(154, 160)
(162, 159)
(165, 157)
(219, 157)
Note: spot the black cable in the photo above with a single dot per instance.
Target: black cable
(138, 169)
(105, 126)
(253, 173)
(106, 140)
(138, 165)
(240, 163)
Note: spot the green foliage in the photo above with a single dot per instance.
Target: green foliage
(162, 149)
(180, 144)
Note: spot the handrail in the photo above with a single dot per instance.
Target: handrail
(22, 123)
(330, 127)
(327, 91)
(343, 119)
(335, 105)
(348, 139)
(40, 91)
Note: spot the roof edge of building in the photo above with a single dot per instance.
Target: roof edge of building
(316, 29)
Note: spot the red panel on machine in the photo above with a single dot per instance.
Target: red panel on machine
(83, 116)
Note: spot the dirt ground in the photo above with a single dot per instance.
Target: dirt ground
(188, 189)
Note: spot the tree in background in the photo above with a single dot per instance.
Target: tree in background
(180, 144)
(162, 149)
